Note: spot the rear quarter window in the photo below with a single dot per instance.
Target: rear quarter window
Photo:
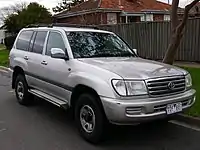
(23, 40)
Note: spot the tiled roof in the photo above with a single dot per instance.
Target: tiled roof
(90, 4)
(195, 9)
(135, 5)
(126, 5)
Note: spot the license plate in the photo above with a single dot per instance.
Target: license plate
(174, 108)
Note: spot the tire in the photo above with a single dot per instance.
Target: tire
(90, 103)
(21, 91)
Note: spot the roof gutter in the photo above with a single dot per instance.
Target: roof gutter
(83, 12)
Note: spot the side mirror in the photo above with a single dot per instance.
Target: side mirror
(58, 53)
(135, 51)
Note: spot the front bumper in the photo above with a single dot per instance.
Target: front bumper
(147, 109)
(10, 73)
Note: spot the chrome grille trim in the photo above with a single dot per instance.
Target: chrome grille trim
(159, 86)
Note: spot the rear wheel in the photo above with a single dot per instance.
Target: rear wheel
(90, 118)
(21, 91)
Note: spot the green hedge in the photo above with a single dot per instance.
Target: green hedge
(9, 41)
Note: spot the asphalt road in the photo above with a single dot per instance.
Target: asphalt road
(47, 127)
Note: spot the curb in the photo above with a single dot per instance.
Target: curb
(188, 119)
(2, 68)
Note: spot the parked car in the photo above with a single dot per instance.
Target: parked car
(96, 75)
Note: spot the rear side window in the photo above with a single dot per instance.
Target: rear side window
(39, 42)
(24, 40)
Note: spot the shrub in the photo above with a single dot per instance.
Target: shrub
(9, 41)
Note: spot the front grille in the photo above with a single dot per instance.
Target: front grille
(164, 86)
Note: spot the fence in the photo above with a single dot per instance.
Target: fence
(151, 39)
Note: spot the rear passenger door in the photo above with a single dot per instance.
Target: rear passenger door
(35, 57)
(20, 51)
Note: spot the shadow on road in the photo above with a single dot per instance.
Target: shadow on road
(149, 135)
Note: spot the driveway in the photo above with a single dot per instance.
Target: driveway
(46, 127)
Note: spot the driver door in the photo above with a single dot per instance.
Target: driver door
(56, 70)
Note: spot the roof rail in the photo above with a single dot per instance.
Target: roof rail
(39, 25)
(61, 25)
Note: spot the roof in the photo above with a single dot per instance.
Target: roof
(71, 29)
(91, 4)
(110, 5)
(136, 5)
(195, 9)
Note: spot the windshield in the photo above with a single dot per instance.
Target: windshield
(94, 44)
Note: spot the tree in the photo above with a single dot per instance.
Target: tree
(13, 9)
(66, 5)
(32, 14)
(177, 29)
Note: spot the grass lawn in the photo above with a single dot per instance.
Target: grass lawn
(195, 73)
(2, 46)
(3, 56)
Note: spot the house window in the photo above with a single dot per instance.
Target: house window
(132, 19)
(167, 17)
(123, 19)
(146, 17)
(149, 17)
(142, 18)
(111, 18)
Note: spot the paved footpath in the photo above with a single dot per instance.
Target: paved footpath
(46, 127)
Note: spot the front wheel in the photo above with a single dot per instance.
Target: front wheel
(21, 91)
(90, 118)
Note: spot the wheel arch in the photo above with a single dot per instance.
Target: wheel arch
(81, 89)
(16, 71)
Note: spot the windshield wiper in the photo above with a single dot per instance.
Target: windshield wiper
(110, 55)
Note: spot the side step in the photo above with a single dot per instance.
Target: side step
(49, 98)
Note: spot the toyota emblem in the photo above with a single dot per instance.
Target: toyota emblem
(171, 85)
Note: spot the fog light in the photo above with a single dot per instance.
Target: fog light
(133, 110)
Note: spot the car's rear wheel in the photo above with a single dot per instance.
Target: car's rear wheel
(21, 91)
(90, 118)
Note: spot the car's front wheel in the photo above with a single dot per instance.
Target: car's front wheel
(90, 118)
(21, 91)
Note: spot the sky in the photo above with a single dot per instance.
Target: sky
(51, 3)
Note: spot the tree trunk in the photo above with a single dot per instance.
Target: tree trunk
(173, 46)
(177, 30)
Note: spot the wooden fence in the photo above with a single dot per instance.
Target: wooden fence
(151, 39)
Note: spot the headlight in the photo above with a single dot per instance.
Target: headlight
(188, 81)
(119, 86)
(129, 87)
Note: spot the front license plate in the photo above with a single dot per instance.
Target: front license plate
(174, 108)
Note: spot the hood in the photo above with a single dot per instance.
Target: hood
(135, 68)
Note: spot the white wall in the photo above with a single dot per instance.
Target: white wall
(2, 35)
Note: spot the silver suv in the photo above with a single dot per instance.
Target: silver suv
(96, 75)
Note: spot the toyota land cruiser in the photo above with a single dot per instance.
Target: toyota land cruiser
(97, 75)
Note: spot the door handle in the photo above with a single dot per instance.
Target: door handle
(26, 57)
(44, 63)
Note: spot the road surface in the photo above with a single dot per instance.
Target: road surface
(44, 126)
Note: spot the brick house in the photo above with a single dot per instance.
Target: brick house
(114, 11)
(195, 11)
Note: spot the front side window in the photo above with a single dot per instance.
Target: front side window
(55, 40)
(24, 40)
(93, 44)
(39, 42)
